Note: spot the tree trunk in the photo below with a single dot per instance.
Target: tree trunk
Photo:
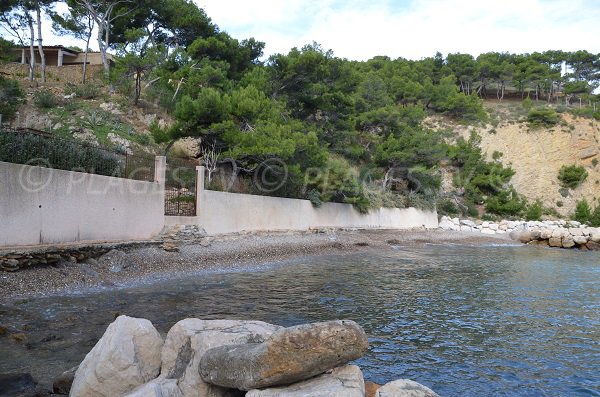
(31, 50)
(38, 13)
(87, 51)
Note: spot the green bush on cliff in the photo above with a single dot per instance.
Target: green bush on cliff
(583, 212)
(572, 176)
(545, 117)
(595, 217)
(534, 211)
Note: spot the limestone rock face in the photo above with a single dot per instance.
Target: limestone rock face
(555, 242)
(189, 339)
(346, 381)
(568, 242)
(405, 388)
(289, 355)
(593, 246)
(127, 355)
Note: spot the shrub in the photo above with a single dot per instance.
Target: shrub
(57, 153)
(447, 207)
(45, 99)
(534, 211)
(506, 202)
(583, 212)
(315, 198)
(11, 96)
(595, 217)
(595, 162)
(572, 176)
(542, 117)
(83, 91)
(527, 103)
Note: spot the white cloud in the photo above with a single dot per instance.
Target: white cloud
(361, 29)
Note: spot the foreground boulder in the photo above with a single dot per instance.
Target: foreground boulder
(405, 388)
(127, 355)
(346, 381)
(63, 382)
(289, 355)
(161, 388)
(186, 343)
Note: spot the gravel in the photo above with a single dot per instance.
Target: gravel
(223, 253)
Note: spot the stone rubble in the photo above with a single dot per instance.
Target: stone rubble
(560, 234)
(132, 360)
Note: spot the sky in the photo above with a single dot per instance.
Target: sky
(361, 29)
(412, 29)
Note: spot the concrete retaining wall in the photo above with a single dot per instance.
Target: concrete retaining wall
(41, 206)
(221, 212)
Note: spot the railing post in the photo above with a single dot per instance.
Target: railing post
(199, 187)
(160, 169)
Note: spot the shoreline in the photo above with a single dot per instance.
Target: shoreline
(132, 266)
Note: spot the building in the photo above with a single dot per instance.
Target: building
(59, 56)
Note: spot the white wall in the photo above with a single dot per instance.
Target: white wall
(221, 212)
(41, 206)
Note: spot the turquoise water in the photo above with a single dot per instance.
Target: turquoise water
(465, 321)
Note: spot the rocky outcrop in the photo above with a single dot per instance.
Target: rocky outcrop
(127, 355)
(289, 355)
(346, 381)
(189, 339)
(405, 388)
(559, 234)
(226, 358)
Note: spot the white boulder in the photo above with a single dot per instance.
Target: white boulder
(189, 339)
(405, 388)
(127, 356)
(346, 381)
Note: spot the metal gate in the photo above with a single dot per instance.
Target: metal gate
(180, 188)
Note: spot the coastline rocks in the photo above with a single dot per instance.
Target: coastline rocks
(63, 382)
(559, 234)
(189, 339)
(127, 355)
(287, 356)
(405, 388)
(346, 381)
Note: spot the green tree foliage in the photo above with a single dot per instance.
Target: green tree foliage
(11, 96)
(545, 116)
(571, 176)
(583, 212)
(534, 211)
(595, 217)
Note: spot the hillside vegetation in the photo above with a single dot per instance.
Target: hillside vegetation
(470, 135)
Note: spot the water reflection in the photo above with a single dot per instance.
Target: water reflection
(465, 321)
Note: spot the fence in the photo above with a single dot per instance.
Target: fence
(180, 188)
(39, 148)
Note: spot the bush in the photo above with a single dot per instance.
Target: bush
(583, 212)
(572, 176)
(546, 117)
(11, 96)
(83, 91)
(447, 207)
(534, 211)
(45, 99)
(527, 103)
(57, 153)
(507, 202)
(595, 162)
(595, 217)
